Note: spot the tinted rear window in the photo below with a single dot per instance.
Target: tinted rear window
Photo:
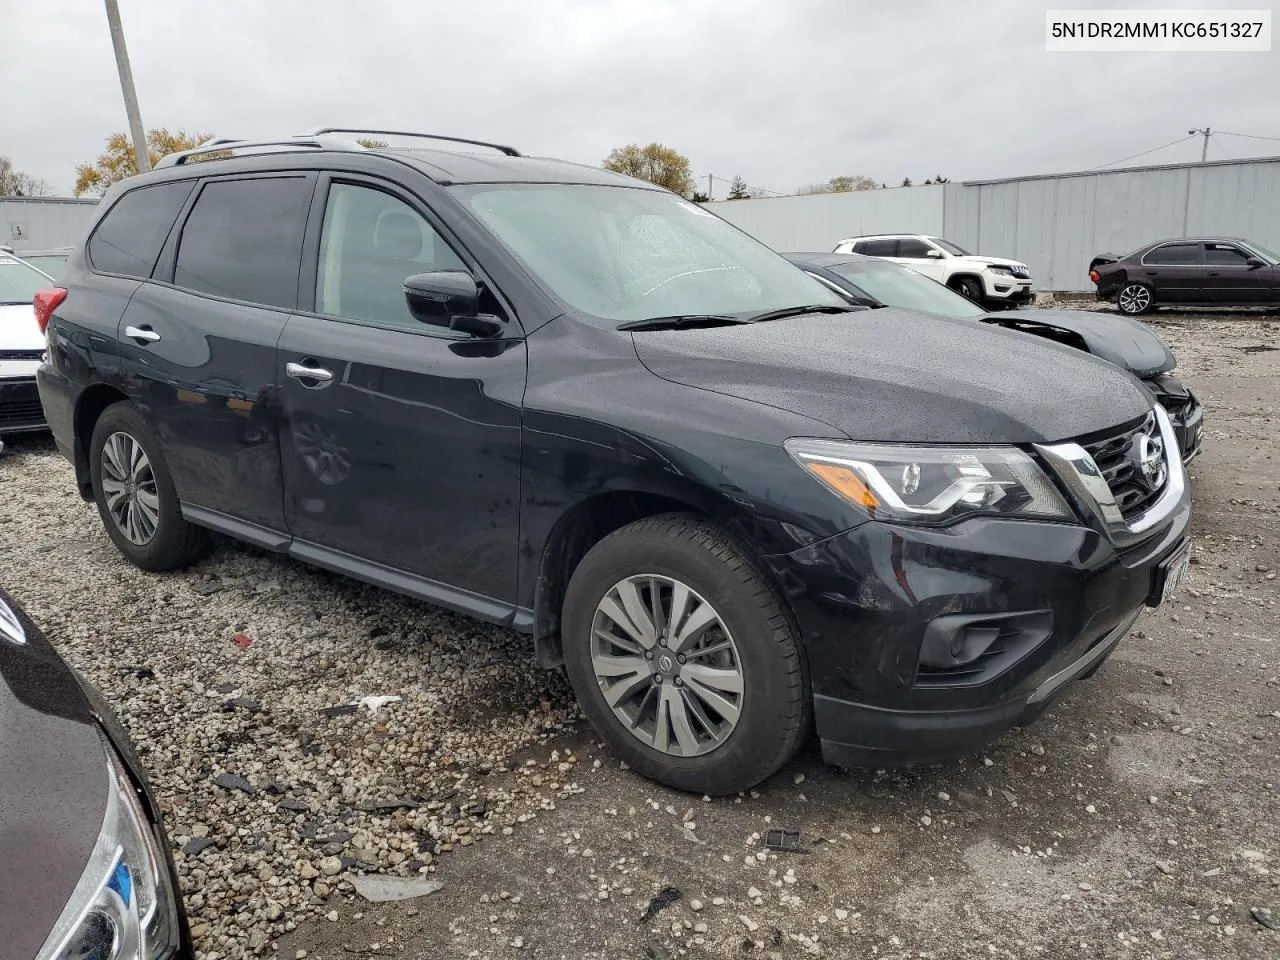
(243, 240)
(1174, 253)
(878, 248)
(129, 237)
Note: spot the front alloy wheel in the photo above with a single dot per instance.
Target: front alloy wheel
(129, 488)
(667, 665)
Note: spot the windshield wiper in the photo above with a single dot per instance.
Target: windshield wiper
(681, 320)
(796, 311)
(13, 303)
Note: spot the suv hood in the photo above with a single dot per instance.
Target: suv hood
(53, 786)
(900, 377)
(1120, 340)
(18, 328)
(994, 261)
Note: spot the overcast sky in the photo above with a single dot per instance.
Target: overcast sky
(784, 92)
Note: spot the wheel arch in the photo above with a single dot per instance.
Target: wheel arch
(956, 278)
(588, 522)
(93, 400)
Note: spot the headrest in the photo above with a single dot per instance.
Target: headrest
(398, 235)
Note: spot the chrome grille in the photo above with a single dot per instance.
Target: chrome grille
(1134, 465)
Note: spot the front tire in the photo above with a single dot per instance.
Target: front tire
(684, 658)
(134, 492)
(1135, 299)
(971, 289)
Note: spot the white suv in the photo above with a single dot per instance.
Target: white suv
(989, 281)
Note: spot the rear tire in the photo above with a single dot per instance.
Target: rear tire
(1135, 299)
(736, 706)
(134, 492)
(970, 288)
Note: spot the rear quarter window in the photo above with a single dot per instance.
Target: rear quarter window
(128, 239)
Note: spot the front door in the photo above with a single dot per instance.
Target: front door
(400, 441)
(922, 257)
(1229, 279)
(198, 342)
(1174, 271)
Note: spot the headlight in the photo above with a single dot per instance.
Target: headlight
(1004, 271)
(931, 484)
(123, 908)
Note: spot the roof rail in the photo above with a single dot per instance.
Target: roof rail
(509, 151)
(220, 144)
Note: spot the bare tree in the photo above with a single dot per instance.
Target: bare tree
(15, 183)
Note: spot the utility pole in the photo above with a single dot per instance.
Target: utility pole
(708, 186)
(1204, 151)
(126, 87)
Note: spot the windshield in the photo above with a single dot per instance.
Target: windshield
(1274, 258)
(50, 263)
(896, 286)
(623, 254)
(951, 248)
(19, 282)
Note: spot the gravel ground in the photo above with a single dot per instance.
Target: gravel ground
(1137, 819)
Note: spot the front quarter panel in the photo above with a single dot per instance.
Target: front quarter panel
(597, 422)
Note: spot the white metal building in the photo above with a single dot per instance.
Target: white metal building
(1055, 224)
(40, 223)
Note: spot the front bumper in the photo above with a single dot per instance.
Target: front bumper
(1186, 413)
(865, 601)
(1008, 289)
(20, 409)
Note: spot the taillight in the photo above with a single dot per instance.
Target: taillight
(1093, 275)
(45, 302)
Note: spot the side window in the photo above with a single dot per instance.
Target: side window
(880, 248)
(1174, 253)
(1224, 255)
(130, 236)
(369, 244)
(243, 240)
(913, 248)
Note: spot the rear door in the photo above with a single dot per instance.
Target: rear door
(199, 343)
(1175, 271)
(400, 440)
(1229, 279)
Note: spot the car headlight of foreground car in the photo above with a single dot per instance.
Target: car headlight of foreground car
(931, 484)
(1003, 271)
(123, 908)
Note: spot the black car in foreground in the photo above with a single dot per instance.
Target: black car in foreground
(583, 407)
(89, 870)
(1130, 345)
(1190, 272)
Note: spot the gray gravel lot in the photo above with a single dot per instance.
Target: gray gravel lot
(1137, 819)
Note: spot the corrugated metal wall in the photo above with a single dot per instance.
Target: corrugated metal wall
(1055, 224)
(818, 222)
(38, 223)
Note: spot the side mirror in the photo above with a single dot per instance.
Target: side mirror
(935, 254)
(1254, 262)
(449, 298)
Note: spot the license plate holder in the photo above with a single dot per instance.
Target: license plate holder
(1169, 575)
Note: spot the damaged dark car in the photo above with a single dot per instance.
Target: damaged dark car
(80, 836)
(1127, 343)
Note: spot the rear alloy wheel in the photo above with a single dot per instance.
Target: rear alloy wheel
(683, 656)
(135, 495)
(1134, 298)
(970, 289)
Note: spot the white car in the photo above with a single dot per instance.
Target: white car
(988, 281)
(21, 346)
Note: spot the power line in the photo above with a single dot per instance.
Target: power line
(1250, 136)
(1145, 152)
(1222, 151)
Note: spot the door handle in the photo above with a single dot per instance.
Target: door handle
(301, 371)
(1213, 273)
(143, 333)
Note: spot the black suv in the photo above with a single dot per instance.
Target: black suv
(580, 406)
